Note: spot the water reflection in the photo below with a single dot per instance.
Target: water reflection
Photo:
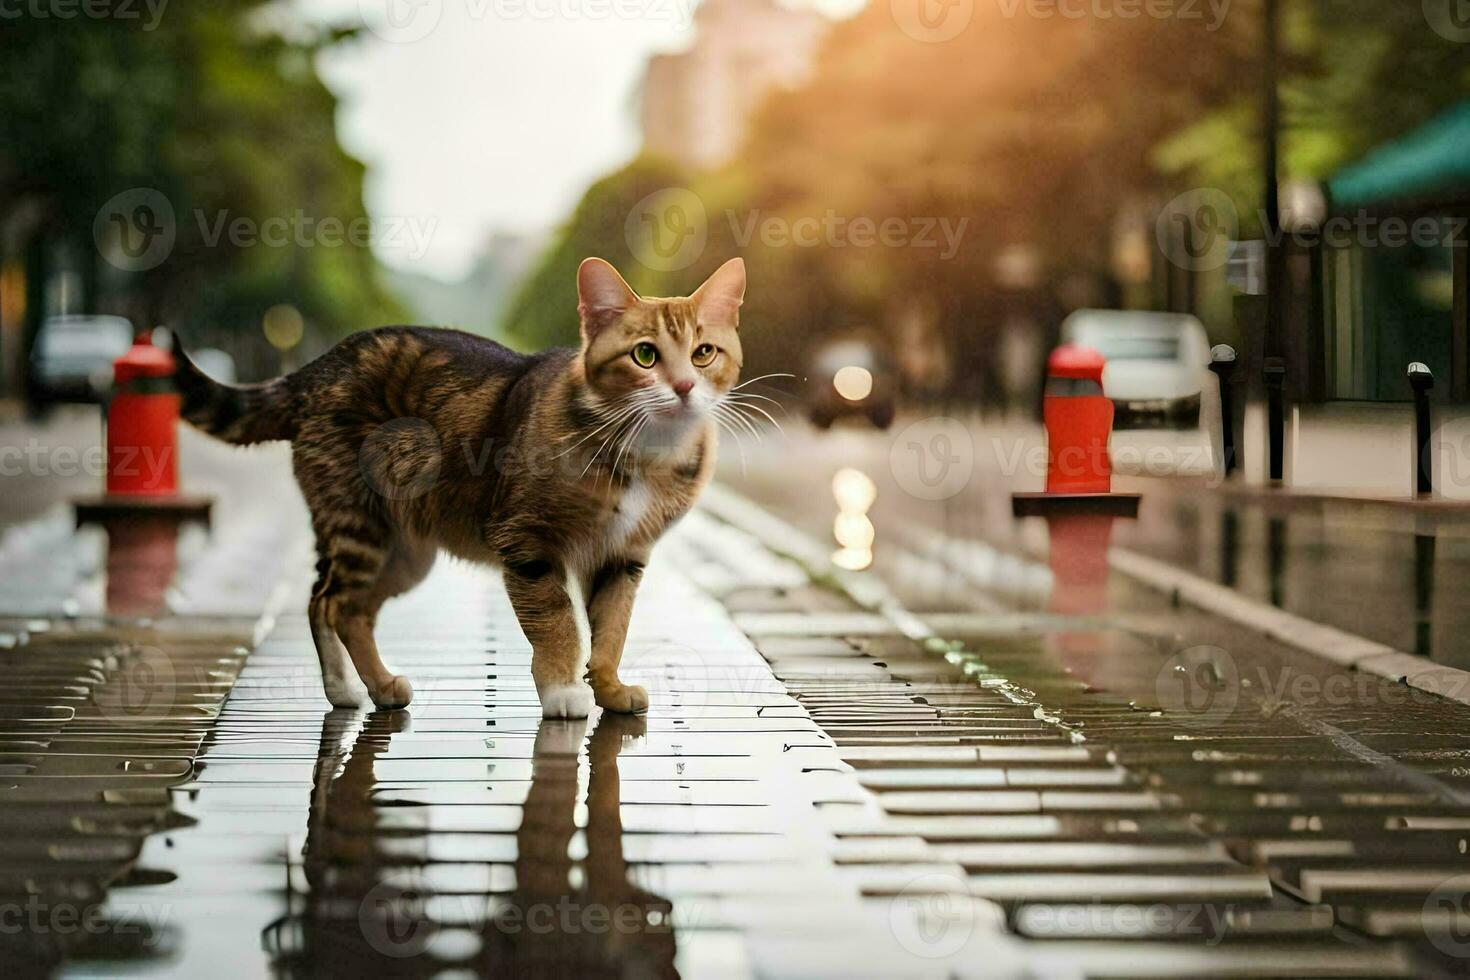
(587, 921)
(377, 903)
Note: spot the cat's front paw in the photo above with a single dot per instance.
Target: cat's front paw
(566, 701)
(628, 699)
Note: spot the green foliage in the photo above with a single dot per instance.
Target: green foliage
(223, 115)
(544, 312)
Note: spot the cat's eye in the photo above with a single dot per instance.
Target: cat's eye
(645, 355)
(703, 355)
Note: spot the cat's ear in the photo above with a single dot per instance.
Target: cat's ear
(602, 296)
(718, 300)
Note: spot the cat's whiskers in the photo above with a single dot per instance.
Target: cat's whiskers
(736, 404)
(619, 409)
(740, 446)
(760, 378)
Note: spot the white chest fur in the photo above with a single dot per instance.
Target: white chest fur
(630, 512)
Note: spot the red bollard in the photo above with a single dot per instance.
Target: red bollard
(142, 508)
(1079, 423)
(142, 423)
(1079, 505)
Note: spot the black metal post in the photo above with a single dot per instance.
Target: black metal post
(1275, 360)
(1421, 379)
(1222, 365)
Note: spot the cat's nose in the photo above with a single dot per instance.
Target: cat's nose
(683, 388)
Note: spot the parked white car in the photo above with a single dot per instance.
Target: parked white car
(1156, 364)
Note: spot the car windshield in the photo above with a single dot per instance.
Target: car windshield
(85, 340)
(1136, 348)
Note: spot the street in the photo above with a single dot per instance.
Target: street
(954, 763)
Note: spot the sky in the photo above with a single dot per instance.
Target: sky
(482, 115)
(477, 115)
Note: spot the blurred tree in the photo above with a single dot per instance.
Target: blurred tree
(544, 310)
(219, 109)
(1358, 73)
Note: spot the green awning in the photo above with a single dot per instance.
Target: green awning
(1431, 164)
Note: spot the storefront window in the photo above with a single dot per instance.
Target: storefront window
(1386, 305)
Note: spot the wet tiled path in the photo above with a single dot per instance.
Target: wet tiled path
(466, 834)
(1127, 809)
(813, 793)
(97, 722)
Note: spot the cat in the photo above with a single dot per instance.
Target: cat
(561, 468)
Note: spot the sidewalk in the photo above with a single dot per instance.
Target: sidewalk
(1390, 572)
(826, 785)
(456, 834)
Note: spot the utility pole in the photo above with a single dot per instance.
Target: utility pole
(1274, 362)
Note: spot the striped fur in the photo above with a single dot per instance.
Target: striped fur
(562, 468)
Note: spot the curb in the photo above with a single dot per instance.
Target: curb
(1328, 642)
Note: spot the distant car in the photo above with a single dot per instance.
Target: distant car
(1156, 364)
(72, 357)
(850, 378)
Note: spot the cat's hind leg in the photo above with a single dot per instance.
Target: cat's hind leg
(361, 576)
(339, 680)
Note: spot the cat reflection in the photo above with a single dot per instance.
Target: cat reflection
(587, 921)
(372, 910)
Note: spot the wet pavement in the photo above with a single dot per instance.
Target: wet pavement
(1389, 572)
(967, 766)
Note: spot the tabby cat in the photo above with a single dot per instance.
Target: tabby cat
(562, 468)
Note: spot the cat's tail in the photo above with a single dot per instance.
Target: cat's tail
(239, 414)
